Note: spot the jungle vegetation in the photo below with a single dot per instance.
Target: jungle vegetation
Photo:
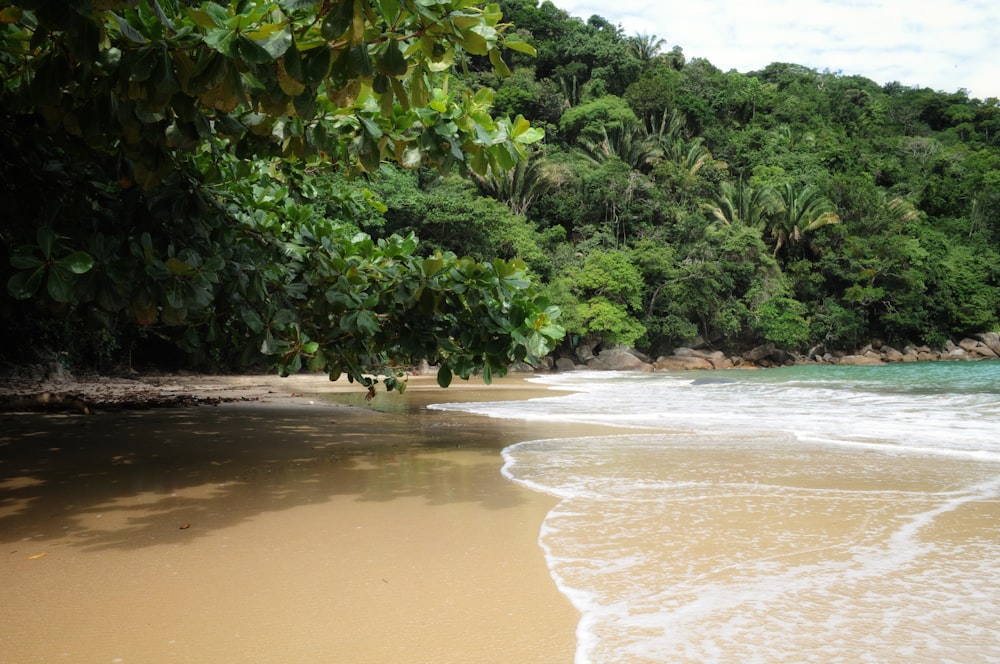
(253, 177)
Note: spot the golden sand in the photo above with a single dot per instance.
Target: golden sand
(281, 530)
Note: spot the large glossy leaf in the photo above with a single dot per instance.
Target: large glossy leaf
(78, 262)
(23, 285)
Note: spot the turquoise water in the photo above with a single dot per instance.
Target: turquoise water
(806, 514)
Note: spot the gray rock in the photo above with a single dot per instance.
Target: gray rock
(617, 359)
(860, 361)
(674, 363)
(760, 352)
(565, 364)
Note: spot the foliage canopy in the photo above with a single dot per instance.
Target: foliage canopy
(186, 169)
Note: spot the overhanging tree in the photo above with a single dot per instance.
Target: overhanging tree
(164, 161)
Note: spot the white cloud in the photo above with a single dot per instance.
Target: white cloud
(941, 44)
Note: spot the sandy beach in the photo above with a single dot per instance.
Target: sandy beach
(288, 528)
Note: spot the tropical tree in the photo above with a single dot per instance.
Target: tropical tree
(518, 187)
(742, 203)
(628, 142)
(178, 144)
(803, 210)
(645, 47)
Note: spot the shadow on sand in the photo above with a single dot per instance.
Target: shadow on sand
(127, 480)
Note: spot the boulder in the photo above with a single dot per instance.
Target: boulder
(617, 359)
(890, 354)
(955, 353)
(991, 340)
(719, 360)
(977, 348)
(585, 349)
(860, 361)
(675, 363)
(780, 357)
(759, 353)
(565, 364)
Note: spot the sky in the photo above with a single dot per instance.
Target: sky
(945, 45)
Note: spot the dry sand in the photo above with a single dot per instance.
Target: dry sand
(283, 529)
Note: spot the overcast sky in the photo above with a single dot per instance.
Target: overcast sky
(940, 44)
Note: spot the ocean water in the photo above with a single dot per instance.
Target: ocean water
(805, 514)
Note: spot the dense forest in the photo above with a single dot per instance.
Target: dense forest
(669, 203)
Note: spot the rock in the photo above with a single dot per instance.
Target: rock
(780, 357)
(991, 340)
(759, 353)
(968, 345)
(585, 349)
(890, 354)
(642, 356)
(675, 363)
(617, 359)
(565, 364)
(977, 348)
(860, 361)
(719, 360)
(955, 353)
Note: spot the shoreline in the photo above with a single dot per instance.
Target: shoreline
(279, 529)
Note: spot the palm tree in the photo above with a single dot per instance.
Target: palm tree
(518, 187)
(628, 143)
(645, 47)
(675, 58)
(743, 204)
(802, 211)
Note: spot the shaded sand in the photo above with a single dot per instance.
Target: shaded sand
(282, 530)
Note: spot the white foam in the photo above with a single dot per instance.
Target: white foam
(625, 542)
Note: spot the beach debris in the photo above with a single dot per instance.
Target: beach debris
(185, 526)
(36, 556)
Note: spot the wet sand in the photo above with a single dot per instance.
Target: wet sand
(288, 529)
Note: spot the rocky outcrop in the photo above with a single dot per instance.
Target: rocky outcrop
(985, 346)
(618, 359)
(860, 361)
(685, 358)
(681, 363)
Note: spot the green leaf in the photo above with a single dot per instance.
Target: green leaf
(46, 240)
(498, 64)
(23, 285)
(391, 62)
(336, 23)
(316, 363)
(444, 375)
(252, 52)
(310, 347)
(367, 323)
(128, 31)
(23, 260)
(78, 262)
(223, 40)
(60, 285)
(294, 5)
(515, 44)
